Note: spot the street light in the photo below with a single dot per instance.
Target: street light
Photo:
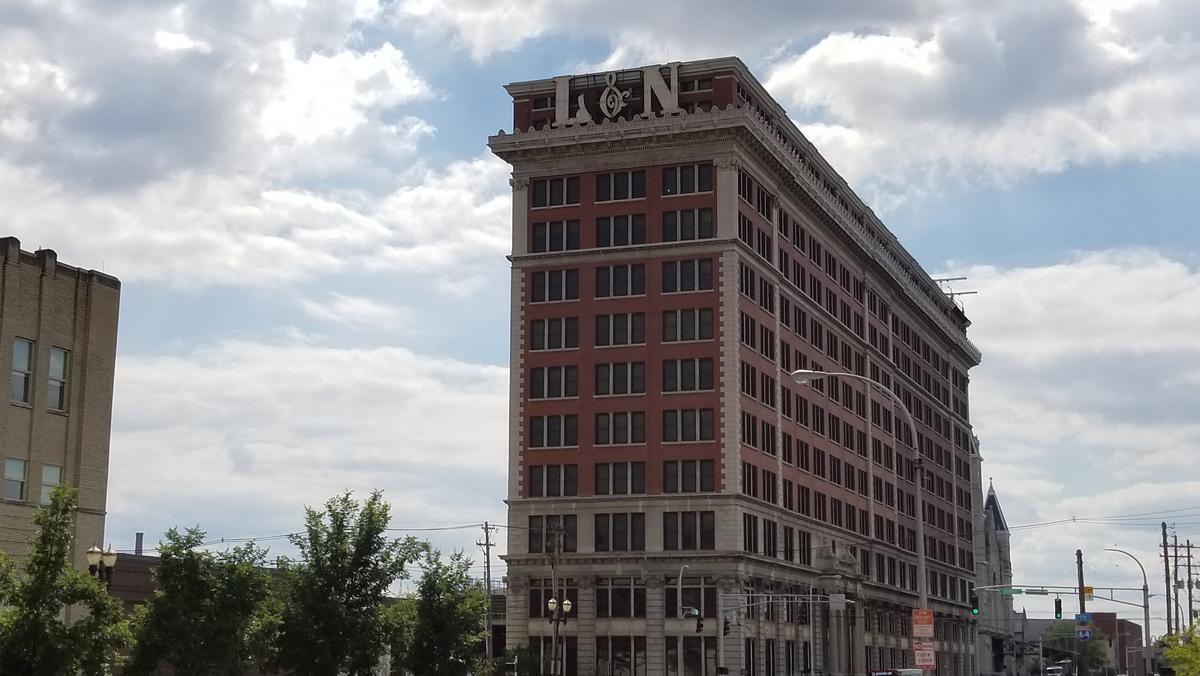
(1146, 655)
(558, 615)
(101, 563)
(807, 377)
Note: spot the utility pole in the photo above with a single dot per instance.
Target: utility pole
(487, 583)
(1079, 568)
(1189, 575)
(1166, 574)
(1179, 625)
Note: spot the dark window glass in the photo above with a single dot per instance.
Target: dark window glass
(535, 481)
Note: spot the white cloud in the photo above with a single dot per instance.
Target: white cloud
(249, 145)
(359, 311)
(178, 41)
(239, 435)
(993, 95)
(1080, 407)
(325, 96)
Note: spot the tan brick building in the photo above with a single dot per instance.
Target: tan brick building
(58, 338)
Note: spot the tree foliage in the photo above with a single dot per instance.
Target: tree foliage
(35, 638)
(522, 661)
(331, 616)
(207, 609)
(1061, 637)
(1182, 652)
(449, 618)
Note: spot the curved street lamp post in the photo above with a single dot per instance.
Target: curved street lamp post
(807, 377)
(1147, 656)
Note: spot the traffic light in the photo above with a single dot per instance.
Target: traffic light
(725, 629)
(974, 603)
(1058, 609)
(699, 624)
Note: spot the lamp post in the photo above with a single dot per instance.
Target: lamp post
(1146, 655)
(807, 377)
(101, 563)
(558, 615)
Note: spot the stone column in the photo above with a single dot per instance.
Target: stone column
(656, 608)
(585, 626)
(516, 619)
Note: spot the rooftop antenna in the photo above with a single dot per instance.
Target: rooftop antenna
(944, 284)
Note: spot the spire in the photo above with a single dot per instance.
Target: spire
(992, 505)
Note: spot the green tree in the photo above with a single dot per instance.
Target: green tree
(522, 661)
(450, 618)
(331, 617)
(206, 608)
(1060, 637)
(400, 620)
(1183, 652)
(34, 638)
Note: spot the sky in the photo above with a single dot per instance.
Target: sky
(310, 232)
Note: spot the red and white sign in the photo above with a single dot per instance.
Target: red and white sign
(922, 623)
(923, 655)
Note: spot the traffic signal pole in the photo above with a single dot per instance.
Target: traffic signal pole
(1083, 667)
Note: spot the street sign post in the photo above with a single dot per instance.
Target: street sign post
(924, 655)
(922, 623)
(1083, 626)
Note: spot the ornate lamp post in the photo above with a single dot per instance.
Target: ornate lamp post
(101, 563)
(558, 615)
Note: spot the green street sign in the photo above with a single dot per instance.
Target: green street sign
(1011, 591)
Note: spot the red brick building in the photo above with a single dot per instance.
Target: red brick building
(678, 248)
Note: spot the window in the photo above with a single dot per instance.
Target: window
(554, 285)
(621, 656)
(553, 382)
(22, 370)
(52, 475)
(555, 192)
(620, 532)
(59, 367)
(689, 531)
(544, 529)
(689, 178)
(750, 533)
(620, 478)
(552, 481)
(550, 431)
(683, 325)
(687, 275)
(620, 428)
(688, 476)
(687, 375)
(620, 185)
(542, 590)
(621, 378)
(620, 596)
(697, 592)
(688, 425)
(620, 230)
(621, 329)
(554, 334)
(555, 236)
(687, 224)
(14, 479)
(620, 280)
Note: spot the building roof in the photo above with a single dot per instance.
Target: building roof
(992, 507)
